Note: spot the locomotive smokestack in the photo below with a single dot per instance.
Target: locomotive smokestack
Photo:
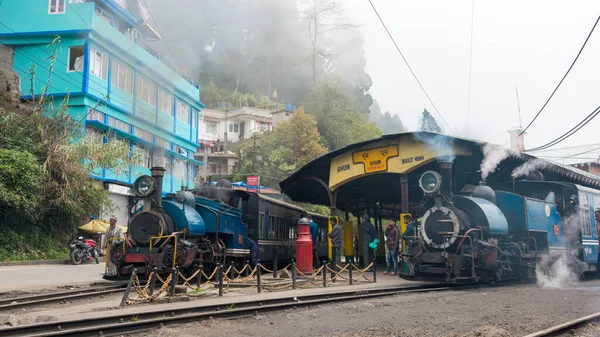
(158, 173)
(446, 173)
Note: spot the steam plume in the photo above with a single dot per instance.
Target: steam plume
(441, 145)
(492, 156)
(529, 167)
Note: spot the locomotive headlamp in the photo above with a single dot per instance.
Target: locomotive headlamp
(144, 186)
(430, 182)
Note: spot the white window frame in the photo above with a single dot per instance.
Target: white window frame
(234, 127)
(183, 112)
(117, 69)
(165, 97)
(69, 59)
(146, 91)
(119, 124)
(146, 156)
(95, 115)
(98, 64)
(194, 119)
(216, 127)
(57, 2)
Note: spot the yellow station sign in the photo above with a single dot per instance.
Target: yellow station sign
(399, 155)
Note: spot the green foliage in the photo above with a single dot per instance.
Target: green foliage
(387, 122)
(320, 209)
(33, 245)
(20, 179)
(340, 119)
(290, 146)
(428, 122)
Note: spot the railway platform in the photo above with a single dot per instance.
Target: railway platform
(110, 305)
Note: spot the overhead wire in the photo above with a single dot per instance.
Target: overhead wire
(563, 78)
(409, 67)
(569, 133)
(470, 67)
(156, 24)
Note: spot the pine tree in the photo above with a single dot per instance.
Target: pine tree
(428, 123)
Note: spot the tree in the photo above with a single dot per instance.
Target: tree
(428, 122)
(322, 17)
(290, 146)
(340, 119)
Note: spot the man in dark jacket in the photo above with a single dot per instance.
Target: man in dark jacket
(409, 236)
(250, 244)
(369, 234)
(392, 234)
(336, 244)
(314, 233)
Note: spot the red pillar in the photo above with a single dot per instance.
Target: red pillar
(304, 247)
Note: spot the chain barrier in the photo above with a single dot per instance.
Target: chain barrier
(147, 294)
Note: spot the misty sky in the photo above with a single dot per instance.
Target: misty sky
(537, 38)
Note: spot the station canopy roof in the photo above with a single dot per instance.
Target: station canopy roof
(366, 175)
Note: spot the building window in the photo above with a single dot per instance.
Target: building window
(179, 169)
(211, 127)
(98, 64)
(93, 135)
(263, 126)
(165, 102)
(234, 127)
(118, 124)
(56, 6)
(122, 77)
(180, 150)
(183, 112)
(95, 115)
(146, 91)
(144, 153)
(194, 119)
(143, 134)
(76, 58)
(163, 143)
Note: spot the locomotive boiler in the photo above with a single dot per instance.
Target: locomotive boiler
(466, 237)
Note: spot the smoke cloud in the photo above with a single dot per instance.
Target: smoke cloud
(441, 145)
(492, 156)
(563, 270)
(529, 167)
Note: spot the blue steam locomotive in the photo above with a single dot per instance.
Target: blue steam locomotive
(205, 226)
(507, 233)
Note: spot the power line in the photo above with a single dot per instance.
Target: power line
(408, 65)
(569, 133)
(569, 147)
(156, 24)
(565, 76)
(470, 66)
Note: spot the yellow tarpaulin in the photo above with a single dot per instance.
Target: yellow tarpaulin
(98, 226)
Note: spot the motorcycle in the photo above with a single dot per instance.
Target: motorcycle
(83, 249)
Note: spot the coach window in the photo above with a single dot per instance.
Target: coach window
(586, 225)
(261, 226)
(271, 227)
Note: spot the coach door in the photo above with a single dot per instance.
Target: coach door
(588, 227)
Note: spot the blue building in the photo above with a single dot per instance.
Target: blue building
(115, 81)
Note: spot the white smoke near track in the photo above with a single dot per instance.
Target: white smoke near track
(562, 270)
(492, 156)
(441, 145)
(528, 167)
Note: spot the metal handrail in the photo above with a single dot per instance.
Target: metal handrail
(166, 237)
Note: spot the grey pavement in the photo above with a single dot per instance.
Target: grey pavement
(39, 277)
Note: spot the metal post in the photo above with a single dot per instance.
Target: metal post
(374, 271)
(173, 283)
(274, 261)
(324, 273)
(258, 277)
(126, 294)
(232, 272)
(199, 276)
(153, 280)
(350, 267)
(293, 274)
(220, 277)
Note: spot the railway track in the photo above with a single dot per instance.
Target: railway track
(119, 324)
(564, 329)
(32, 300)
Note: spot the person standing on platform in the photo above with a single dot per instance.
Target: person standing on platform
(314, 233)
(392, 234)
(336, 245)
(408, 236)
(356, 250)
(369, 234)
(253, 247)
(112, 232)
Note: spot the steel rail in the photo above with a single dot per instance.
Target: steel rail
(30, 300)
(119, 324)
(562, 328)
